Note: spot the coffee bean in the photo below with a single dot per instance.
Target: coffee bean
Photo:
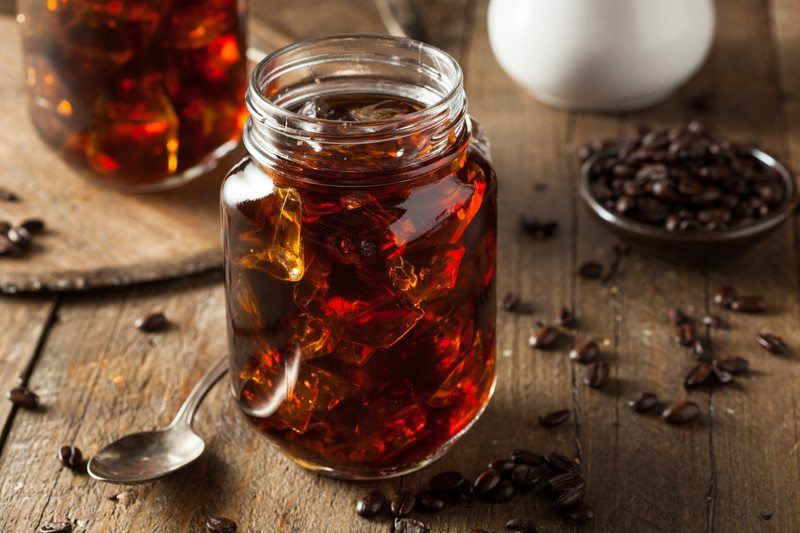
(403, 503)
(565, 318)
(409, 525)
(7, 246)
(749, 304)
(681, 412)
(585, 352)
(560, 463)
(678, 317)
(510, 302)
(33, 225)
(771, 343)
(371, 504)
(504, 466)
(20, 236)
(55, 527)
(8, 196)
(521, 526)
(714, 321)
(23, 397)
(220, 524)
(565, 482)
(685, 334)
(700, 351)
(568, 500)
(555, 418)
(580, 515)
(486, 482)
(152, 322)
(71, 457)
(448, 482)
(527, 458)
(544, 337)
(732, 364)
(643, 402)
(696, 375)
(591, 270)
(503, 492)
(720, 375)
(724, 296)
(525, 476)
(429, 502)
(597, 376)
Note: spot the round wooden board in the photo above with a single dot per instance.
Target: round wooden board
(96, 236)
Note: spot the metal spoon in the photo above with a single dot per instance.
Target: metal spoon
(142, 457)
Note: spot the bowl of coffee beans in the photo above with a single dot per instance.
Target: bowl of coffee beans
(686, 185)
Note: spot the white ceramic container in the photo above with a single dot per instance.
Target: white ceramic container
(601, 55)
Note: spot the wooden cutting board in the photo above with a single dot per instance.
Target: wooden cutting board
(96, 236)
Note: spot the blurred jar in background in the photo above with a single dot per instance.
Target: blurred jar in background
(145, 93)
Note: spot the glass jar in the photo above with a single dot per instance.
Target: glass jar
(146, 93)
(360, 256)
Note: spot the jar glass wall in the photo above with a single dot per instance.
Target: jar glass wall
(360, 257)
(145, 93)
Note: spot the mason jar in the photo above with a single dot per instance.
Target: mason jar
(147, 94)
(360, 238)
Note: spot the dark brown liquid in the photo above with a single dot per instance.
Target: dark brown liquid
(362, 319)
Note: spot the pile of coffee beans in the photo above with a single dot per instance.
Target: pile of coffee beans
(553, 476)
(684, 179)
(16, 239)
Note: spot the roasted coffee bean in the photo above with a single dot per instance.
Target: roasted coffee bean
(152, 322)
(503, 492)
(371, 504)
(429, 502)
(720, 375)
(597, 376)
(23, 397)
(510, 302)
(565, 318)
(446, 483)
(525, 476)
(555, 418)
(527, 458)
(685, 334)
(591, 270)
(409, 525)
(521, 526)
(220, 524)
(643, 402)
(724, 296)
(7, 247)
(714, 321)
(568, 500)
(55, 527)
(8, 196)
(771, 343)
(696, 375)
(749, 304)
(33, 225)
(71, 457)
(560, 463)
(544, 337)
(585, 352)
(486, 482)
(566, 482)
(504, 466)
(20, 236)
(732, 364)
(681, 412)
(535, 228)
(580, 515)
(403, 503)
(700, 351)
(678, 317)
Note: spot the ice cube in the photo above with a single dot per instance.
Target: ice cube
(382, 110)
(426, 274)
(313, 393)
(467, 378)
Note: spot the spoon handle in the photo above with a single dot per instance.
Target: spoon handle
(186, 414)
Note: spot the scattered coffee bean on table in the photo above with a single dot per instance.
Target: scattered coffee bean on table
(33, 225)
(597, 376)
(71, 457)
(568, 500)
(403, 503)
(749, 304)
(536, 228)
(696, 375)
(724, 296)
(527, 458)
(643, 402)
(591, 270)
(771, 343)
(521, 526)
(714, 321)
(585, 352)
(503, 492)
(732, 364)
(556, 418)
(23, 397)
(409, 525)
(55, 527)
(7, 195)
(429, 502)
(544, 337)
(678, 317)
(566, 482)
(447, 483)
(685, 334)
(565, 318)
(504, 466)
(152, 322)
(371, 504)
(486, 482)
(681, 412)
(525, 476)
(721, 376)
(700, 350)
(560, 463)
(220, 524)
(510, 302)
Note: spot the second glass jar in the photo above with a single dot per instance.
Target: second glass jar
(360, 239)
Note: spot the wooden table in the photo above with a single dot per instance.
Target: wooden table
(99, 377)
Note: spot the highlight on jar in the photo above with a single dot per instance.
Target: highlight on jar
(146, 95)
(360, 243)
